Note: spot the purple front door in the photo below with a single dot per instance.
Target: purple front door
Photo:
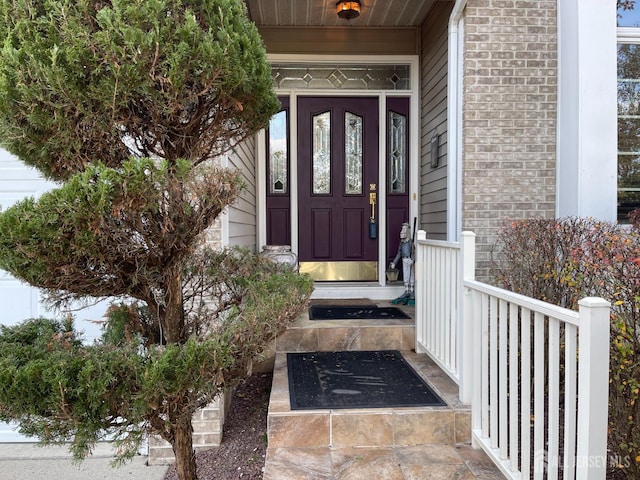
(338, 187)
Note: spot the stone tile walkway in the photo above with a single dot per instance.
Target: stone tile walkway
(316, 449)
(424, 462)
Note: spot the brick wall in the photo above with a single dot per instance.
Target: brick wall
(207, 432)
(509, 116)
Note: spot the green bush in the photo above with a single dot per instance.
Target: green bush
(562, 261)
(126, 386)
(126, 104)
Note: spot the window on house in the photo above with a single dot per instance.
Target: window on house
(397, 158)
(337, 76)
(278, 153)
(628, 112)
(628, 14)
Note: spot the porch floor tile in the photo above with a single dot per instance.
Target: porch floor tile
(415, 447)
(424, 462)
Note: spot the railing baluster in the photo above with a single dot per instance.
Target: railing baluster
(570, 399)
(503, 402)
(553, 422)
(477, 406)
(433, 304)
(538, 395)
(514, 396)
(484, 379)
(525, 386)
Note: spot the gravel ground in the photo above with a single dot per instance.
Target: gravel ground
(242, 452)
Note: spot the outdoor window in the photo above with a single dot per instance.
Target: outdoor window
(628, 17)
(334, 76)
(628, 112)
(278, 153)
(397, 168)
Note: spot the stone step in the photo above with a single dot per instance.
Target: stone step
(338, 335)
(375, 427)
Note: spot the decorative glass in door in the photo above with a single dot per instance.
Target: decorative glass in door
(322, 153)
(352, 154)
(278, 154)
(397, 168)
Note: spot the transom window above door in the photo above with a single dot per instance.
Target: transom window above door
(336, 76)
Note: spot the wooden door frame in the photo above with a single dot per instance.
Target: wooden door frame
(414, 145)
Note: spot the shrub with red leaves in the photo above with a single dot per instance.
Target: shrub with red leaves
(562, 261)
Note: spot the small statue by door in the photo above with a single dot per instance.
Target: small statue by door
(405, 252)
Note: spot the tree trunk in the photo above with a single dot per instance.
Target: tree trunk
(172, 313)
(183, 450)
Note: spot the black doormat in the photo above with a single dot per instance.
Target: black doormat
(355, 379)
(354, 312)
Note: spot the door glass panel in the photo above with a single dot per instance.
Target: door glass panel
(336, 76)
(397, 160)
(278, 153)
(322, 153)
(353, 154)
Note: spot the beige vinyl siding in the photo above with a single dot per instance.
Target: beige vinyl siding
(340, 40)
(243, 213)
(433, 120)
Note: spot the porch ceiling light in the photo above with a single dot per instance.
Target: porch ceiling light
(348, 9)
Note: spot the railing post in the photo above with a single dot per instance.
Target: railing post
(465, 325)
(421, 289)
(593, 389)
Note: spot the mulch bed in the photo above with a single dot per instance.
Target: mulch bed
(241, 454)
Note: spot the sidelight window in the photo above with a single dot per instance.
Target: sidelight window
(397, 158)
(278, 153)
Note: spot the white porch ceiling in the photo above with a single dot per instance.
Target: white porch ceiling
(315, 13)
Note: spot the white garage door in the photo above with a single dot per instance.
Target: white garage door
(19, 301)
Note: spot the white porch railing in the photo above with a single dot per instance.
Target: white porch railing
(438, 271)
(529, 369)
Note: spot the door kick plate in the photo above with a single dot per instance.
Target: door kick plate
(341, 271)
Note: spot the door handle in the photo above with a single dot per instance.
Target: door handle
(373, 228)
(372, 201)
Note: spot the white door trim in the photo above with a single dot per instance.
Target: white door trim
(414, 148)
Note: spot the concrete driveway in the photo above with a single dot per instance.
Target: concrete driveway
(26, 461)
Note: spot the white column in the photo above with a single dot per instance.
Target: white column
(587, 106)
(454, 120)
